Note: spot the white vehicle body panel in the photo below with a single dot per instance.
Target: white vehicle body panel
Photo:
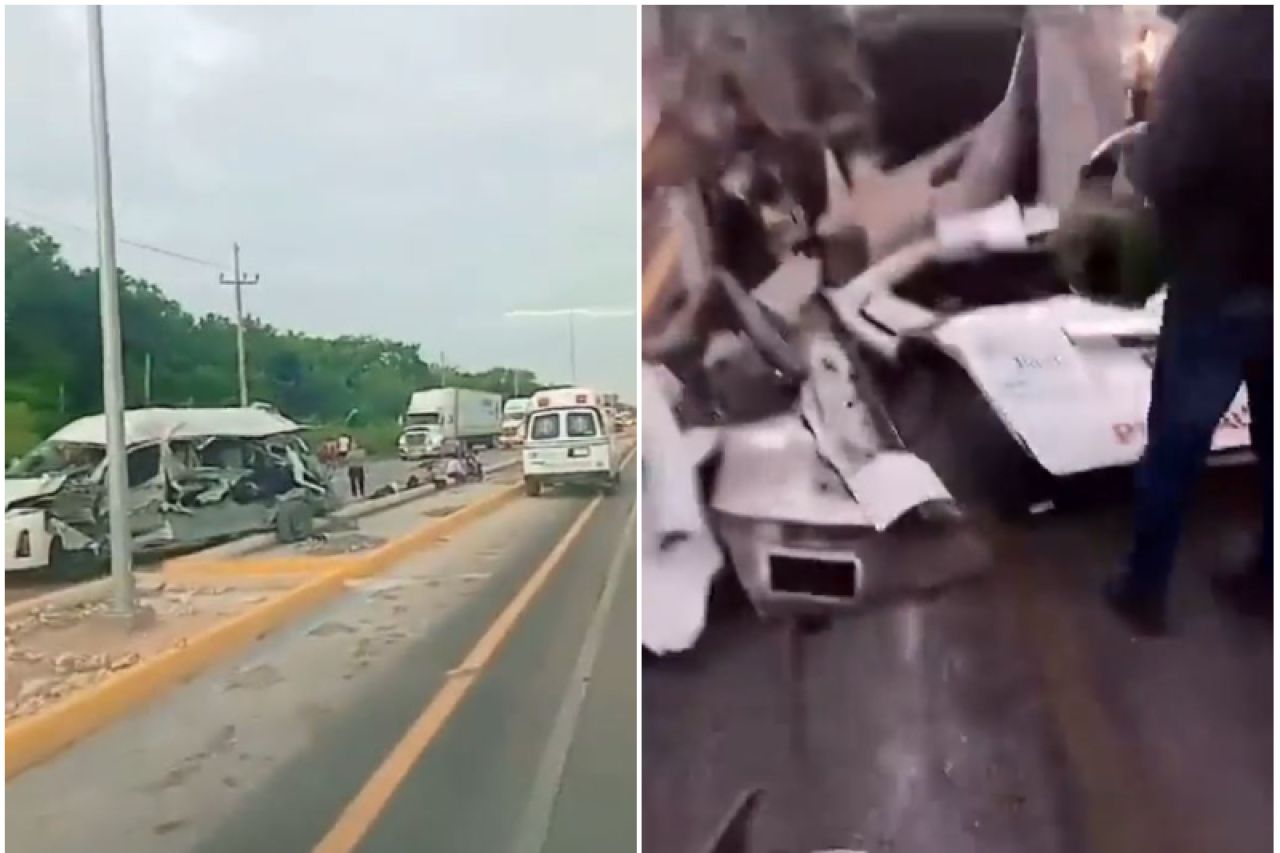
(555, 455)
(1069, 378)
(679, 554)
(153, 425)
(34, 522)
(565, 457)
(1072, 395)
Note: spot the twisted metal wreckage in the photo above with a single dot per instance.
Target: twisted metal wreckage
(842, 208)
(195, 476)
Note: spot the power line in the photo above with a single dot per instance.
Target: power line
(53, 220)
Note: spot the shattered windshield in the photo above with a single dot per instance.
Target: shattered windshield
(428, 419)
(56, 457)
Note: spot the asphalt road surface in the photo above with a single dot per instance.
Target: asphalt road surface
(998, 709)
(481, 696)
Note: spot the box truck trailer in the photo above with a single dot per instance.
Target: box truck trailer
(441, 415)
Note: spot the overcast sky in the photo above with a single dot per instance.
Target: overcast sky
(411, 173)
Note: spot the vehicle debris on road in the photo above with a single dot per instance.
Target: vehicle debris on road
(827, 263)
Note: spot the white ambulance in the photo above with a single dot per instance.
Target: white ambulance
(569, 440)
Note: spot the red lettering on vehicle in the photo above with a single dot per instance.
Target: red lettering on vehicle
(1124, 432)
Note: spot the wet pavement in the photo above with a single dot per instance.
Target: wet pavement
(1007, 711)
(266, 752)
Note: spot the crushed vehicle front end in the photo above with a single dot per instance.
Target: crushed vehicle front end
(52, 497)
(195, 477)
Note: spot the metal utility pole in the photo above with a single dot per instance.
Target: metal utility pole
(444, 373)
(146, 380)
(109, 302)
(571, 313)
(239, 282)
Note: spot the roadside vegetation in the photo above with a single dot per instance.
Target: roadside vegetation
(53, 363)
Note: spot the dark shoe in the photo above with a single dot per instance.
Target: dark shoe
(1247, 593)
(1144, 614)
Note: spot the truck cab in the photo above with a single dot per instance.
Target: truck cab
(421, 436)
(569, 440)
(513, 415)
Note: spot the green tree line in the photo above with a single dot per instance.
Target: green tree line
(53, 356)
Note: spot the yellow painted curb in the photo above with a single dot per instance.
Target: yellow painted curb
(29, 741)
(234, 567)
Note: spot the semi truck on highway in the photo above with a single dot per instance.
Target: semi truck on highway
(513, 413)
(438, 415)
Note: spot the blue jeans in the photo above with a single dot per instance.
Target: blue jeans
(1202, 357)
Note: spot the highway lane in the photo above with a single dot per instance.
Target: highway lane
(267, 752)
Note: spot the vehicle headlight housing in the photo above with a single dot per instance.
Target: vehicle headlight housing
(24, 544)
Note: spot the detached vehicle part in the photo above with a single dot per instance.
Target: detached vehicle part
(800, 535)
(986, 345)
(679, 554)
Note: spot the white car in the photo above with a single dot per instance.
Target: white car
(991, 346)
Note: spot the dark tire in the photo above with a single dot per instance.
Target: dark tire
(942, 416)
(71, 566)
(611, 487)
(57, 559)
(532, 487)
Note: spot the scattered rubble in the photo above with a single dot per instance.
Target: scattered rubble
(340, 543)
(54, 650)
(790, 155)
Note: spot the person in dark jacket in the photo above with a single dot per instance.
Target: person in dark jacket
(1205, 166)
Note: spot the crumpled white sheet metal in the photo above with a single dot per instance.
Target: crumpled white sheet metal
(770, 471)
(142, 426)
(838, 416)
(679, 554)
(773, 471)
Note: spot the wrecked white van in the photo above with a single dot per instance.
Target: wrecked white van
(195, 476)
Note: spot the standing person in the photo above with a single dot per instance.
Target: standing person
(1205, 166)
(355, 469)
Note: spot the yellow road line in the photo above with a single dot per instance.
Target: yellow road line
(361, 813)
